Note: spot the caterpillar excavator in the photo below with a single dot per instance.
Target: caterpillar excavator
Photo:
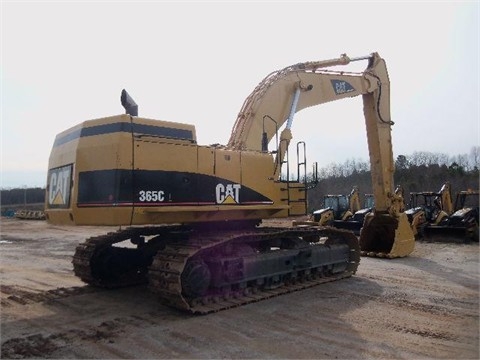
(189, 217)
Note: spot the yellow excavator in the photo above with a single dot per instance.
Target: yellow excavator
(190, 216)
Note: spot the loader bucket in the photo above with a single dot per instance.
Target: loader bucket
(351, 225)
(450, 234)
(383, 235)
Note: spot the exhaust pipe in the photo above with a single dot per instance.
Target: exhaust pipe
(131, 107)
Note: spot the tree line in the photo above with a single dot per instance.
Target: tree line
(22, 196)
(420, 171)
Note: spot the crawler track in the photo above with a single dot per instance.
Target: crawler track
(94, 264)
(171, 262)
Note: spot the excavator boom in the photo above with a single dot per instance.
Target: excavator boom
(311, 83)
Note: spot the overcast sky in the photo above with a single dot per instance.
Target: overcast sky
(196, 62)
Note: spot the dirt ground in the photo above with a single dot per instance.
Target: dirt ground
(425, 306)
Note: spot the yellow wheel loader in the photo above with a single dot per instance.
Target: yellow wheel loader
(191, 215)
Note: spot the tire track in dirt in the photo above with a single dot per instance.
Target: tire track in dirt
(42, 346)
(423, 333)
(14, 295)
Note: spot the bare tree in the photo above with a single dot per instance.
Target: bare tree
(460, 160)
(401, 163)
(474, 158)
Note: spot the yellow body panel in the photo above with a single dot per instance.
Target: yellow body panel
(104, 153)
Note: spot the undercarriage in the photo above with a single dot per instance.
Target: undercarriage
(203, 270)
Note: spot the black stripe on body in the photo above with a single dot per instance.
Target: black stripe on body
(141, 129)
(124, 187)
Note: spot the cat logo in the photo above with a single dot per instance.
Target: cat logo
(341, 87)
(59, 181)
(228, 194)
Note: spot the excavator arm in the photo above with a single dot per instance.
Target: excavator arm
(283, 93)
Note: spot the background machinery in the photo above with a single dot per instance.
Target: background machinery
(195, 212)
(429, 208)
(26, 214)
(462, 225)
(337, 207)
(356, 221)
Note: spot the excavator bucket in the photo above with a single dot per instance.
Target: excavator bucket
(386, 236)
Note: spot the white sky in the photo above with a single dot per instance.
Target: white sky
(196, 62)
